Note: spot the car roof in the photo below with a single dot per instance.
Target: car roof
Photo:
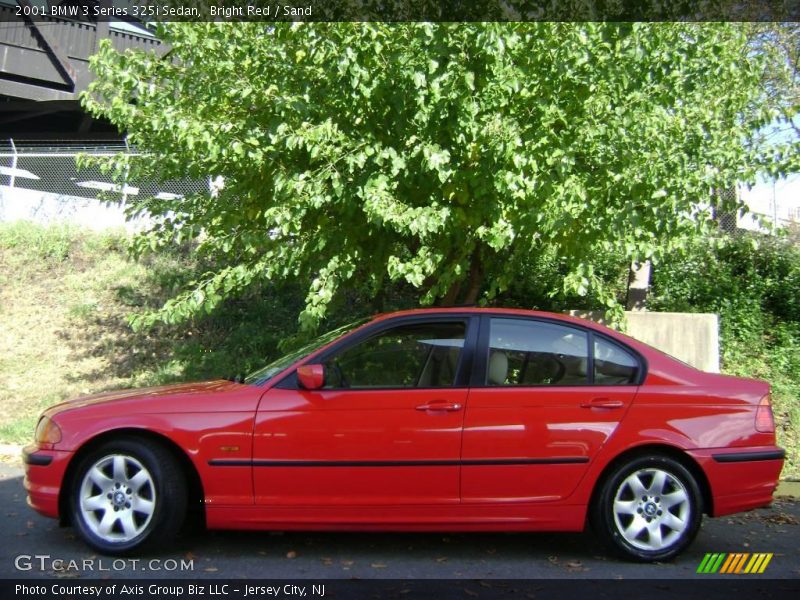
(518, 312)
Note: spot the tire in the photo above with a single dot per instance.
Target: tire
(648, 509)
(126, 495)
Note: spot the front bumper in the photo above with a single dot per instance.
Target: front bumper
(44, 476)
(740, 478)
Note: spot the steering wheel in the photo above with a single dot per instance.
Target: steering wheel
(339, 374)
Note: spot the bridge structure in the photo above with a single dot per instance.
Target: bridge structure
(44, 66)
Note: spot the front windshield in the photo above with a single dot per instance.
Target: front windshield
(266, 373)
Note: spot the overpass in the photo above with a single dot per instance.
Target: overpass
(44, 66)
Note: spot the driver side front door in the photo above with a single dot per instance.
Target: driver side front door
(385, 429)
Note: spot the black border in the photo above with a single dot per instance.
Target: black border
(437, 11)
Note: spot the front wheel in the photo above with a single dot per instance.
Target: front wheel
(648, 509)
(127, 494)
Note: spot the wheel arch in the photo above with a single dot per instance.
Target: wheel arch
(195, 485)
(651, 449)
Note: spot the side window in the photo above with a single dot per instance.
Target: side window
(409, 356)
(612, 364)
(523, 352)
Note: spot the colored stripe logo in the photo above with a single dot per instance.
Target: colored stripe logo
(735, 563)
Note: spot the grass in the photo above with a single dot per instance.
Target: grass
(65, 298)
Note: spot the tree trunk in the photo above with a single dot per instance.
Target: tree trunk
(638, 284)
(450, 297)
(474, 282)
(475, 279)
(379, 298)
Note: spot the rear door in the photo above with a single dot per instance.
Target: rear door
(546, 397)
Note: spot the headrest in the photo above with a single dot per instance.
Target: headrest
(498, 367)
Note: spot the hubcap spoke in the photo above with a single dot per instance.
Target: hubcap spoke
(107, 522)
(142, 505)
(94, 503)
(128, 525)
(636, 485)
(99, 478)
(119, 468)
(673, 522)
(637, 525)
(674, 498)
(657, 485)
(138, 480)
(625, 507)
(654, 535)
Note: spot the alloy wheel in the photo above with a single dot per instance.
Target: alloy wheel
(652, 509)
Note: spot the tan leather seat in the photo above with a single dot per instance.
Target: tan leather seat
(498, 367)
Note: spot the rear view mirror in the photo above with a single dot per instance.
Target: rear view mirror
(311, 377)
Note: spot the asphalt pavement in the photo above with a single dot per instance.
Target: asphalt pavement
(36, 547)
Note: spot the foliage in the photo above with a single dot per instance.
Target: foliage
(445, 156)
(755, 277)
(754, 289)
(781, 41)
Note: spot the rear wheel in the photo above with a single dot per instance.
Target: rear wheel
(127, 494)
(648, 509)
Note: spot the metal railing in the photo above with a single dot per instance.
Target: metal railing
(40, 180)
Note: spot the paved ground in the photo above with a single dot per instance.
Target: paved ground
(359, 555)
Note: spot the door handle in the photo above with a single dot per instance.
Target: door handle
(440, 406)
(602, 403)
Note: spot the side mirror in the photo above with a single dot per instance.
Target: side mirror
(311, 377)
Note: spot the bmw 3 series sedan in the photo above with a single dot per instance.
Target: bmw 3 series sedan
(424, 420)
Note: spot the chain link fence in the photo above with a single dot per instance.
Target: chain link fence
(772, 205)
(39, 181)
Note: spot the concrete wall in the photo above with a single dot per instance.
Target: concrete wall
(17, 204)
(690, 337)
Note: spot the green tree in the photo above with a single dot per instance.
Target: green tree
(442, 155)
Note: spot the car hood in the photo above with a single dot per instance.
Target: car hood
(161, 394)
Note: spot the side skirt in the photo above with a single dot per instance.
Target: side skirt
(483, 517)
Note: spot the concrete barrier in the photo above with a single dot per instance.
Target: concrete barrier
(690, 337)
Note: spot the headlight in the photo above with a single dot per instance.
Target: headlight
(47, 432)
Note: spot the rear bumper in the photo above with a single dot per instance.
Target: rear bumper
(740, 478)
(44, 474)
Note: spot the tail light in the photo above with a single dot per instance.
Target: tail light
(765, 423)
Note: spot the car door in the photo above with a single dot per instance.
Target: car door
(546, 397)
(385, 428)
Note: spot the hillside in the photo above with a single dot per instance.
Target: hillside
(65, 296)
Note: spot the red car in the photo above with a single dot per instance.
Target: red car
(425, 420)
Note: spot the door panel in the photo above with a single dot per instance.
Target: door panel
(545, 429)
(357, 447)
(384, 430)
